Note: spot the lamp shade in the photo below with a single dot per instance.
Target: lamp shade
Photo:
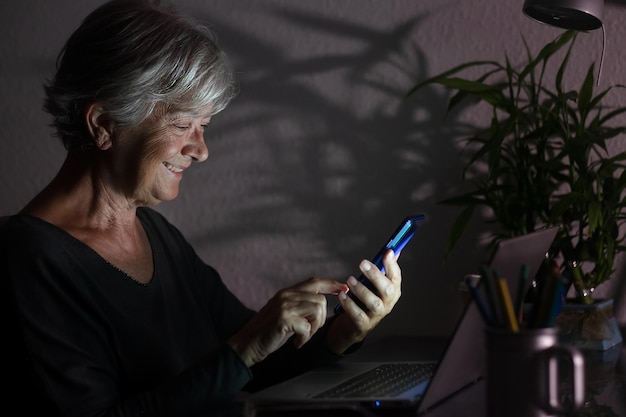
(566, 14)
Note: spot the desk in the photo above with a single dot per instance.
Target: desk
(605, 382)
(605, 375)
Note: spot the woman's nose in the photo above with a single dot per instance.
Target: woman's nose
(196, 149)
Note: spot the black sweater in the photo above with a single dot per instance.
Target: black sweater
(87, 340)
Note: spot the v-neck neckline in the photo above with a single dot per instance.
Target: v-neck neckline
(149, 235)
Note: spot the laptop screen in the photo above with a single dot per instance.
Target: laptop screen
(463, 361)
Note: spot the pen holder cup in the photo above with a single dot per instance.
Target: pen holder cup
(530, 375)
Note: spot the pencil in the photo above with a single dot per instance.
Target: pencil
(510, 317)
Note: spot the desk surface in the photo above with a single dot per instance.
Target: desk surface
(605, 382)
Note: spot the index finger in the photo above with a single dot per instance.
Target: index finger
(321, 286)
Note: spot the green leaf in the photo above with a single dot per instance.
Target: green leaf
(595, 216)
(458, 227)
(586, 93)
(549, 50)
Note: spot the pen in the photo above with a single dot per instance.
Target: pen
(521, 291)
(491, 296)
(545, 303)
(556, 299)
(479, 302)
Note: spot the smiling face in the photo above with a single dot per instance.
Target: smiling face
(147, 162)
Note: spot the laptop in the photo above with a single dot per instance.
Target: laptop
(461, 365)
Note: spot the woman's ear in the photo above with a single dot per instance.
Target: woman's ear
(99, 125)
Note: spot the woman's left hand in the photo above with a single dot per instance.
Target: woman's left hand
(354, 323)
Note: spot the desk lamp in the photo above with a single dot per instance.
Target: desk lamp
(571, 15)
(566, 14)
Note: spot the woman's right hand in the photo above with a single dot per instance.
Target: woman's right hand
(297, 311)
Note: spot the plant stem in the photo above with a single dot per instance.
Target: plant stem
(583, 294)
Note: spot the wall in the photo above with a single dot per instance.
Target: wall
(319, 156)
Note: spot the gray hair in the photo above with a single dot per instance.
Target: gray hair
(136, 58)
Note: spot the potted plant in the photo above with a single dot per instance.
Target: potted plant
(543, 160)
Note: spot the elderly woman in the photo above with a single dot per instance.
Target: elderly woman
(114, 311)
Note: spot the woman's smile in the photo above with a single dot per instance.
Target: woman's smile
(173, 168)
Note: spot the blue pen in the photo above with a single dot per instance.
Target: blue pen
(556, 303)
(547, 300)
(521, 291)
(479, 302)
(490, 291)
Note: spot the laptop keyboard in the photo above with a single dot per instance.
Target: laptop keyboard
(384, 380)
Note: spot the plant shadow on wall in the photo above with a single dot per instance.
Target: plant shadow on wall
(544, 161)
(320, 170)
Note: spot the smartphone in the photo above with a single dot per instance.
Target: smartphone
(398, 240)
